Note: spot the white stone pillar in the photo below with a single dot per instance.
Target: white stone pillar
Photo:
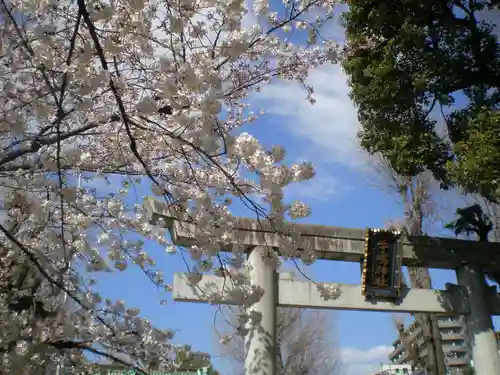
(260, 341)
(479, 323)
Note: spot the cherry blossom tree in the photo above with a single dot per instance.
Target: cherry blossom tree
(144, 94)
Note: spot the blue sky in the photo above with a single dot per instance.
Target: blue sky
(344, 193)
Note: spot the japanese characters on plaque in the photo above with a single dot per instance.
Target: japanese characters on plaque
(382, 265)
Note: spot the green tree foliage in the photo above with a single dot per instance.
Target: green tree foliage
(473, 220)
(408, 59)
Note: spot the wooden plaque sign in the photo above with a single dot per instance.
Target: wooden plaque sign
(382, 265)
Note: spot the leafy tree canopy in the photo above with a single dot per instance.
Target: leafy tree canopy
(408, 58)
(472, 220)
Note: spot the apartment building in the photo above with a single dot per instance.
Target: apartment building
(454, 341)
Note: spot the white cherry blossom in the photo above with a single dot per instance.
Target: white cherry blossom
(132, 98)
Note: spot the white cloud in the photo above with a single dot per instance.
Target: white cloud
(321, 188)
(328, 128)
(355, 355)
(364, 362)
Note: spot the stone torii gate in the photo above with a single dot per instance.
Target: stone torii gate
(472, 297)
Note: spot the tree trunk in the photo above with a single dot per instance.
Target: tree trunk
(420, 278)
(414, 193)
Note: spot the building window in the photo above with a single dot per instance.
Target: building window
(456, 355)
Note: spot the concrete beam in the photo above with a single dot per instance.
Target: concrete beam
(335, 243)
(304, 294)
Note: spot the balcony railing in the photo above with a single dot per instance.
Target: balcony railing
(456, 348)
(450, 323)
(453, 336)
(457, 361)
